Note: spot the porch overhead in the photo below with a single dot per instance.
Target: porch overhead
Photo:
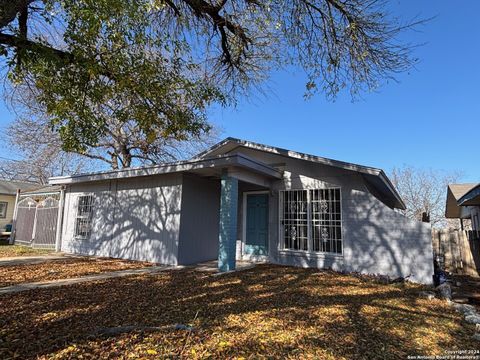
(237, 165)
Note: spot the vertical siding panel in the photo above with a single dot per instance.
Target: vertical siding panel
(199, 226)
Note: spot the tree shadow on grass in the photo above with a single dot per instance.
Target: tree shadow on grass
(269, 310)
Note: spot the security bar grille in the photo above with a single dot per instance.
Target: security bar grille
(83, 218)
(326, 220)
(311, 220)
(295, 219)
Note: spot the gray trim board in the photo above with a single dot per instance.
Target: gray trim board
(236, 160)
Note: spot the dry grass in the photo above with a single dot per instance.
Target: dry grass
(265, 312)
(18, 250)
(63, 269)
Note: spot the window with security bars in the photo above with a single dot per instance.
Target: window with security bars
(311, 220)
(326, 220)
(295, 219)
(83, 218)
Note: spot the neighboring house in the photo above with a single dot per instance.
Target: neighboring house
(243, 200)
(463, 202)
(8, 193)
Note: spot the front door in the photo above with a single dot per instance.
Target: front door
(256, 239)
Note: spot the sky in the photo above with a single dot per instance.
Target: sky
(430, 118)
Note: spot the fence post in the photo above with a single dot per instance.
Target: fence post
(11, 240)
(58, 235)
(456, 254)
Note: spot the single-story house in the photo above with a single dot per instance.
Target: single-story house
(243, 200)
(463, 202)
(8, 195)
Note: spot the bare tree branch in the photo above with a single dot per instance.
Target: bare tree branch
(424, 191)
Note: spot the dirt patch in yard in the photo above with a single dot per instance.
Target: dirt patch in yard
(63, 269)
(265, 312)
(7, 250)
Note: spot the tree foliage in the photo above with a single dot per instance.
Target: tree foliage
(117, 72)
(124, 144)
(96, 66)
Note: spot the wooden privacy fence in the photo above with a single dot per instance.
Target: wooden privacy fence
(458, 251)
(36, 222)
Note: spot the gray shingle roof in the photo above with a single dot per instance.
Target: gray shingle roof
(454, 193)
(42, 189)
(458, 190)
(471, 198)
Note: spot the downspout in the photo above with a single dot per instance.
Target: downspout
(58, 235)
(11, 240)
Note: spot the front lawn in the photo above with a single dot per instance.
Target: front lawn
(7, 250)
(63, 269)
(265, 312)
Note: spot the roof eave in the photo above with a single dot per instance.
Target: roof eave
(400, 205)
(293, 154)
(239, 160)
(471, 198)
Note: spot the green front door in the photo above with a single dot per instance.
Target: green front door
(256, 241)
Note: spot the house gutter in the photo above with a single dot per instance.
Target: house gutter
(469, 197)
(238, 160)
(392, 189)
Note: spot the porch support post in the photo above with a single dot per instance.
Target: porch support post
(228, 223)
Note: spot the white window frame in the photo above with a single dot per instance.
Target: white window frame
(5, 203)
(309, 250)
(88, 217)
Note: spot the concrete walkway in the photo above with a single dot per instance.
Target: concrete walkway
(36, 259)
(209, 266)
(77, 280)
